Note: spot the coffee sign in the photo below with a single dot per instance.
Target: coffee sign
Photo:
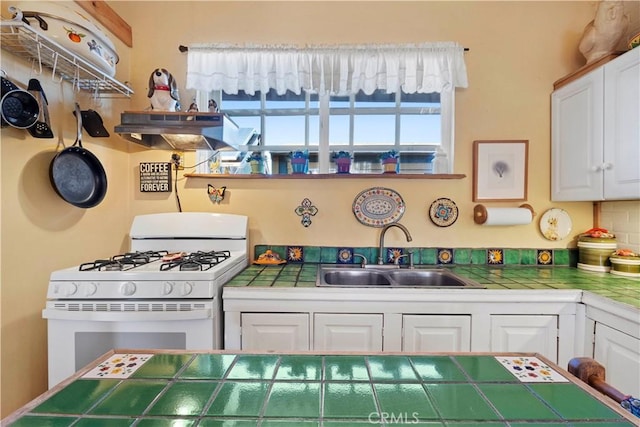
(155, 177)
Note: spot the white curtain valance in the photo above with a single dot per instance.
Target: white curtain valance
(340, 70)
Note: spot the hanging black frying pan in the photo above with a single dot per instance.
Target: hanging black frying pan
(77, 175)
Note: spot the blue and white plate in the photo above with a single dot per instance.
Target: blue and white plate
(378, 206)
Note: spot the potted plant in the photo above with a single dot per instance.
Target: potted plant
(342, 160)
(390, 161)
(299, 161)
(256, 161)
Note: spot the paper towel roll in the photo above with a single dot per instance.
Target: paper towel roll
(502, 216)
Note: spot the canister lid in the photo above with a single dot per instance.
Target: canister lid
(597, 235)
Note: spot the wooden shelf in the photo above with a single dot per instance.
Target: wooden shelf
(329, 176)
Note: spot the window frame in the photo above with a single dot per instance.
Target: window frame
(324, 148)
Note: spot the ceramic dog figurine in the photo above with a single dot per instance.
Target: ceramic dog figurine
(163, 91)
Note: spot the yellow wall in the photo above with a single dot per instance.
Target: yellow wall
(518, 49)
(40, 232)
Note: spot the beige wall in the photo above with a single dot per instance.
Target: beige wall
(518, 49)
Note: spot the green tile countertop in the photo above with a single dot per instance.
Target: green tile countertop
(217, 388)
(621, 289)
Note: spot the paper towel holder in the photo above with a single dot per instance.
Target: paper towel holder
(480, 212)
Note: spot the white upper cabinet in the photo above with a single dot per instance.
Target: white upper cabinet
(595, 133)
(622, 127)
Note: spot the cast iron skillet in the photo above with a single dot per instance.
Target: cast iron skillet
(77, 175)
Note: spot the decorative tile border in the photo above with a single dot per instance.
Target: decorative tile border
(295, 254)
(392, 254)
(445, 256)
(544, 257)
(495, 256)
(345, 256)
(426, 256)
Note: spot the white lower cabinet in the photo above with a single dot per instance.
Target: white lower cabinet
(275, 331)
(264, 319)
(347, 332)
(423, 332)
(525, 333)
(619, 353)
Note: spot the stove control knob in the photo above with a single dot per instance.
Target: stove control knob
(167, 288)
(90, 289)
(128, 289)
(187, 288)
(69, 289)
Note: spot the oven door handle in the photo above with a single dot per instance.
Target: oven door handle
(127, 316)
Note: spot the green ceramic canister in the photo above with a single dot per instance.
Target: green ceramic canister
(625, 265)
(594, 253)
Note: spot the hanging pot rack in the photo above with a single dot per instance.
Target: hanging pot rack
(21, 40)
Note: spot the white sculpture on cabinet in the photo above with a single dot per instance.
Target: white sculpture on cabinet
(602, 35)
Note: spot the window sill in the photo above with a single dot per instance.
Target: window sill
(330, 176)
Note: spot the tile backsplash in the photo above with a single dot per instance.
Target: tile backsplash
(425, 256)
(622, 219)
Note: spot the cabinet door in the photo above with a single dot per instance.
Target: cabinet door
(619, 353)
(517, 333)
(436, 333)
(576, 139)
(275, 331)
(347, 332)
(622, 127)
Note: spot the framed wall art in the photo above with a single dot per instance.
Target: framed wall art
(500, 170)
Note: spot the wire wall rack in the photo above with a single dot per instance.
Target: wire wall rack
(21, 40)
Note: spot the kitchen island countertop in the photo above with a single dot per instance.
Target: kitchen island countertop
(218, 388)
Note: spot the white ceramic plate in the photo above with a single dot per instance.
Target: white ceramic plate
(378, 206)
(555, 224)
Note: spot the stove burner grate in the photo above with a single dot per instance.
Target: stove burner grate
(123, 262)
(196, 261)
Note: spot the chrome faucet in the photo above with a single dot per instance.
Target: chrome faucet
(409, 255)
(383, 232)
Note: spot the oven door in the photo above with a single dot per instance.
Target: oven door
(81, 331)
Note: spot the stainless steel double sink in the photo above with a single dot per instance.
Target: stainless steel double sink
(391, 276)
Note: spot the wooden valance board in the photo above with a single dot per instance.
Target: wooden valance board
(103, 13)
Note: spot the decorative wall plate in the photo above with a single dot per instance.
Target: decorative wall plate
(443, 212)
(378, 206)
(555, 224)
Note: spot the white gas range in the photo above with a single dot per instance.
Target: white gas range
(164, 293)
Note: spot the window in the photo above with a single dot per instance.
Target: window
(365, 99)
(361, 124)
